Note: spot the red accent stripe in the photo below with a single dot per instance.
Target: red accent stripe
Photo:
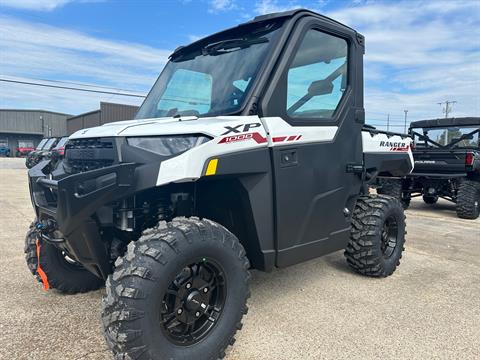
(279, 138)
(259, 138)
(291, 138)
(299, 136)
(400, 149)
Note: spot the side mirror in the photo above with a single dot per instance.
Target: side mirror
(320, 87)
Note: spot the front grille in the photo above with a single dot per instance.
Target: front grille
(89, 154)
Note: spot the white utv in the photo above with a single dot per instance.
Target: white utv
(249, 152)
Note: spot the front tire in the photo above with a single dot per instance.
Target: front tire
(179, 292)
(377, 237)
(59, 271)
(31, 251)
(468, 200)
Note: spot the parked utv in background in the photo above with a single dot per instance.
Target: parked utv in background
(447, 165)
(58, 151)
(42, 151)
(24, 148)
(23, 151)
(250, 152)
(4, 150)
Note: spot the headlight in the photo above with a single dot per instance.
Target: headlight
(168, 145)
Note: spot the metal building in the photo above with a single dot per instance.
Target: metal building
(25, 128)
(108, 112)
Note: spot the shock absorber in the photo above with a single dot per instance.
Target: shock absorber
(125, 215)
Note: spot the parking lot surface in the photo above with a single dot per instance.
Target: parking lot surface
(430, 308)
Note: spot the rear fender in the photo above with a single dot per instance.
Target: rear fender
(387, 154)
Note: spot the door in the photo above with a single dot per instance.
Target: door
(313, 140)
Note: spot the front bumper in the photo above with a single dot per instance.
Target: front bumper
(72, 200)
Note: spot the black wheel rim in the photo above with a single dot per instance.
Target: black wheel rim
(193, 302)
(389, 237)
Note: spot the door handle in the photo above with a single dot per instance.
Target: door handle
(288, 158)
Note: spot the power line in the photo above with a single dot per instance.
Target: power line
(77, 83)
(70, 88)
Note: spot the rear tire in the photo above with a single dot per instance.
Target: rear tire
(150, 295)
(430, 200)
(468, 200)
(63, 273)
(377, 236)
(394, 188)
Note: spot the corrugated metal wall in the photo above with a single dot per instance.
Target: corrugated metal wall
(26, 126)
(109, 112)
(117, 112)
(83, 121)
(29, 122)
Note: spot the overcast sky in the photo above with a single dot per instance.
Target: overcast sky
(418, 53)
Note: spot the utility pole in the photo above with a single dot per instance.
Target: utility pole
(405, 126)
(388, 122)
(446, 110)
(448, 107)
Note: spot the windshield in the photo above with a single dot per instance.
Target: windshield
(49, 144)
(448, 137)
(61, 143)
(211, 78)
(41, 143)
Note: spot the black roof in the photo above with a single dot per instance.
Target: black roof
(258, 19)
(464, 121)
(291, 13)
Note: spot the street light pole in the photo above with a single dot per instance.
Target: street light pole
(43, 125)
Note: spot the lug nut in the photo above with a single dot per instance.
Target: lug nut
(179, 311)
(197, 314)
(205, 290)
(188, 285)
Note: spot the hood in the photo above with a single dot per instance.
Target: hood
(212, 126)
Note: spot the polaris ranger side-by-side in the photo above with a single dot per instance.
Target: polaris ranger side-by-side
(447, 165)
(249, 152)
(42, 151)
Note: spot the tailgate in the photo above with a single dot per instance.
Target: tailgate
(441, 161)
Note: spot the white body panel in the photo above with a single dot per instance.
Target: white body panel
(386, 144)
(280, 132)
(231, 134)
